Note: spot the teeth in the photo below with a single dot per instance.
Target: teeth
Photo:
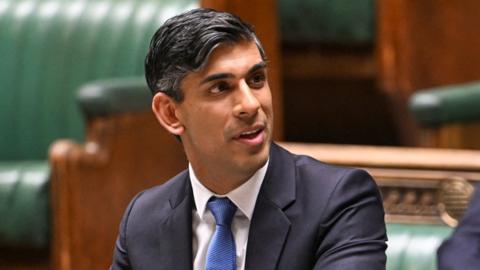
(250, 132)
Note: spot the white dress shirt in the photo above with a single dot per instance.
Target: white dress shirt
(203, 221)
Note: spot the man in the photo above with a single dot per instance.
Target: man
(462, 250)
(244, 202)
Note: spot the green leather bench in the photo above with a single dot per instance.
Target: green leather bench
(49, 48)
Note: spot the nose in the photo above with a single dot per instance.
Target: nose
(247, 104)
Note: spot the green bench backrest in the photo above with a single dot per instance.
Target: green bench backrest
(339, 22)
(48, 48)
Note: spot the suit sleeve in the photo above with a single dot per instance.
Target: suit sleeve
(354, 230)
(120, 254)
(462, 249)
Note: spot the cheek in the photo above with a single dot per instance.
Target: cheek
(266, 101)
(212, 119)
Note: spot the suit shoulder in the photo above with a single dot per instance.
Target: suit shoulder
(309, 166)
(312, 173)
(341, 186)
(173, 184)
(159, 196)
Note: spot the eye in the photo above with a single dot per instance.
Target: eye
(219, 87)
(257, 80)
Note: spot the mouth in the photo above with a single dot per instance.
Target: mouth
(252, 136)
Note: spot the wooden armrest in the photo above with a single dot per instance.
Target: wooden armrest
(93, 182)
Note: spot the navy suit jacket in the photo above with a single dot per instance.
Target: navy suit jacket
(462, 250)
(308, 215)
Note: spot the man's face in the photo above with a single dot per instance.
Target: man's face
(227, 112)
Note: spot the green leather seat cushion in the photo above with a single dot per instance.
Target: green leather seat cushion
(24, 204)
(414, 247)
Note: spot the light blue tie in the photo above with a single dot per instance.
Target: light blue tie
(221, 253)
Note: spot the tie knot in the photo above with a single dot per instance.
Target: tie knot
(223, 210)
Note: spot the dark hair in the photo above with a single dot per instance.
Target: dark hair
(184, 42)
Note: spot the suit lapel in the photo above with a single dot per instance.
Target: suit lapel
(176, 230)
(270, 225)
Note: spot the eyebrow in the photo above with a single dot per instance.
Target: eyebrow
(219, 76)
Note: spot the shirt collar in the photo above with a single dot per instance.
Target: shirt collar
(244, 196)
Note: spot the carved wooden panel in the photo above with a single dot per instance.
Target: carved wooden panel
(424, 196)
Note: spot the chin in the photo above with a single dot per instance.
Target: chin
(258, 160)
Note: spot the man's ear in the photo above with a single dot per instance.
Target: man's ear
(164, 108)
